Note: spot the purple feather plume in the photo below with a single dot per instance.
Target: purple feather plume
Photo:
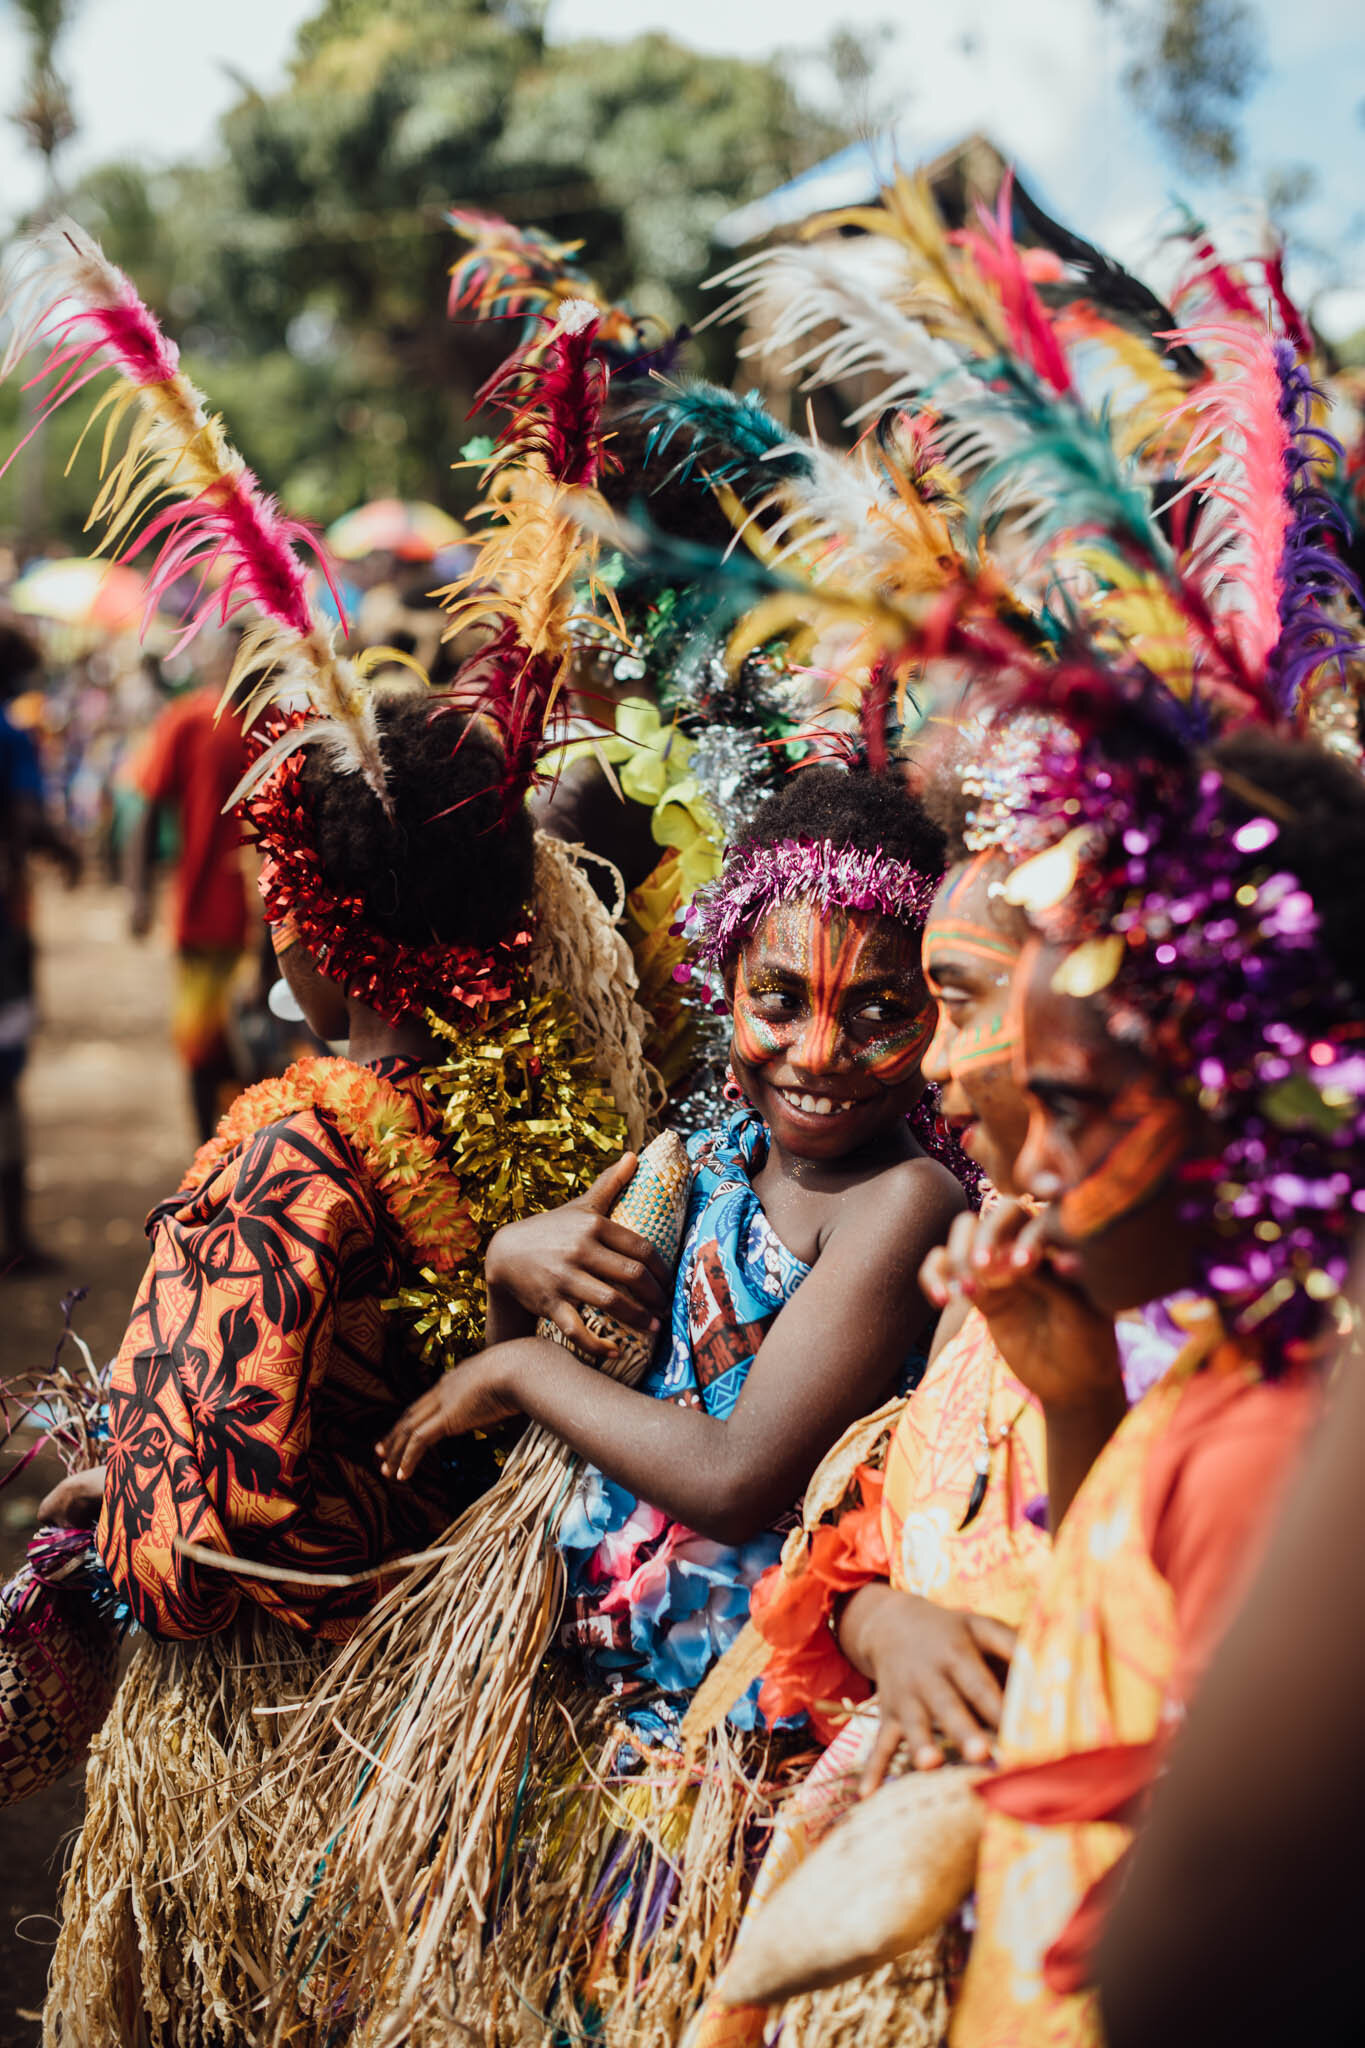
(1310, 569)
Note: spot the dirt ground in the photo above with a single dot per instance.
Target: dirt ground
(109, 1133)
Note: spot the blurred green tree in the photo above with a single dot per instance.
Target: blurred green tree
(304, 272)
(1193, 64)
(45, 118)
(44, 110)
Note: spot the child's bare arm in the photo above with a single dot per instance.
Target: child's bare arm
(571, 1257)
(831, 1355)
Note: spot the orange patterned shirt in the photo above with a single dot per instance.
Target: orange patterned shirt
(991, 1566)
(257, 1373)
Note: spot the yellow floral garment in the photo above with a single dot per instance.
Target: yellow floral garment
(1152, 1552)
(992, 1566)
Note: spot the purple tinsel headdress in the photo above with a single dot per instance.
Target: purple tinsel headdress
(1207, 952)
(834, 877)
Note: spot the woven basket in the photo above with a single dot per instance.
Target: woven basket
(654, 1205)
(58, 1673)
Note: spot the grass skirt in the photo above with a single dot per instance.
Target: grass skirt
(905, 2003)
(172, 1892)
(627, 1880)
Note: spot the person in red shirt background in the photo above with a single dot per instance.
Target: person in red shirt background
(190, 765)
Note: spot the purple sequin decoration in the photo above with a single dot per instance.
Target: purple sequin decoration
(1226, 983)
(834, 877)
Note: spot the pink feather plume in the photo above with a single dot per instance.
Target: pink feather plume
(993, 249)
(206, 509)
(1238, 458)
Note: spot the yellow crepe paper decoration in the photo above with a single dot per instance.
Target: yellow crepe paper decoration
(654, 760)
(1049, 877)
(1089, 967)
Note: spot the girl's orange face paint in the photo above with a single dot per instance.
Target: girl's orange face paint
(830, 1020)
(1146, 1141)
(1105, 1139)
(971, 949)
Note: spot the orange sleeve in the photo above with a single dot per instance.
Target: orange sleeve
(792, 1612)
(1213, 1487)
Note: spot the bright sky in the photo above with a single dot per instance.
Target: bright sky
(150, 77)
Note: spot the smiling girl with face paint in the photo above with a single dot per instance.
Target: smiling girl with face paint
(797, 1302)
(796, 1309)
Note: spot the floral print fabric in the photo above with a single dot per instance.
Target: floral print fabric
(258, 1371)
(651, 1601)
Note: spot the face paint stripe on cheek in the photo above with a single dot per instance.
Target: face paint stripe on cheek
(976, 941)
(890, 1058)
(1132, 1169)
(756, 1039)
(989, 1042)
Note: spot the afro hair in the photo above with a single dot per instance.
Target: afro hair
(684, 511)
(948, 803)
(857, 808)
(446, 866)
(1318, 801)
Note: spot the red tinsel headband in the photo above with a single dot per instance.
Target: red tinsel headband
(393, 976)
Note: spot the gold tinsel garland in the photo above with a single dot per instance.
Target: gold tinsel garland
(528, 1125)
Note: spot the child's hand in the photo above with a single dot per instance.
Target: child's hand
(474, 1395)
(1048, 1334)
(74, 1502)
(934, 1683)
(575, 1257)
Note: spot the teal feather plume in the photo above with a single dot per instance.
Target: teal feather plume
(725, 438)
(1063, 475)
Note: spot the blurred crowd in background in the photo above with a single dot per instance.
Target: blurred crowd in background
(114, 764)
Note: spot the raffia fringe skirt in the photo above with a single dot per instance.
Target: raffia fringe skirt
(173, 1890)
(622, 1891)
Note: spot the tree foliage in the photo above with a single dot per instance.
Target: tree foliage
(1193, 64)
(44, 110)
(304, 271)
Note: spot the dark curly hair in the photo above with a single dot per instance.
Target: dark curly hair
(1318, 802)
(446, 866)
(948, 804)
(855, 807)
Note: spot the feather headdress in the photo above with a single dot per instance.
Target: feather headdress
(512, 273)
(1115, 291)
(830, 312)
(919, 312)
(535, 576)
(1236, 461)
(1263, 550)
(1062, 427)
(720, 437)
(171, 481)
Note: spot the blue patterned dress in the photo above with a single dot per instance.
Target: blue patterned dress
(652, 1604)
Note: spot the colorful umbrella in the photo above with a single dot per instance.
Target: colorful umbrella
(406, 527)
(78, 591)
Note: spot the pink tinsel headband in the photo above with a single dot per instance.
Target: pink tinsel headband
(834, 877)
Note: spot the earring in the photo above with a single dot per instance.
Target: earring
(731, 1091)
